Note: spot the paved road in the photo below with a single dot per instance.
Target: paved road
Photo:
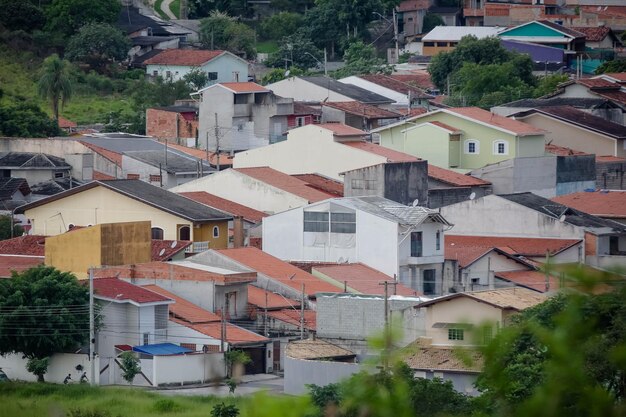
(250, 385)
(165, 8)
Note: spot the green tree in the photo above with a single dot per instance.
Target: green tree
(21, 15)
(431, 21)
(297, 51)
(241, 40)
(616, 65)
(67, 16)
(196, 79)
(224, 410)
(322, 27)
(44, 311)
(55, 83)
(278, 74)
(130, 366)
(294, 6)
(549, 84)
(235, 361)
(97, 44)
(6, 223)
(220, 31)
(281, 24)
(199, 9)
(26, 120)
(361, 59)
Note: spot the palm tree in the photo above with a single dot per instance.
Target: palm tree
(55, 82)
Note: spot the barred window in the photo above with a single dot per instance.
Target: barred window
(456, 334)
(315, 221)
(343, 222)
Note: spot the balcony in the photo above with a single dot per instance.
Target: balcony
(197, 247)
(422, 260)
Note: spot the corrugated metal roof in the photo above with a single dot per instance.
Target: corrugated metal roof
(455, 33)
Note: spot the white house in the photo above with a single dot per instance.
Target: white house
(400, 92)
(398, 240)
(220, 66)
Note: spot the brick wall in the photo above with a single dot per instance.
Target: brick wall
(162, 124)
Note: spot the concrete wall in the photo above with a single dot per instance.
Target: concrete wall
(299, 373)
(133, 166)
(441, 194)
(188, 369)
(610, 175)
(61, 364)
(462, 382)
(536, 175)
(301, 90)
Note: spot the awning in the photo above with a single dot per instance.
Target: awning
(160, 349)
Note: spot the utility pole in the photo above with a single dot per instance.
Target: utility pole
(223, 332)
(395, 34)
(265, 318)
(325, 64)
(217, 144)
(547, 274)
(302, 315)
(386, 331)
(165, 153)
(92, 332)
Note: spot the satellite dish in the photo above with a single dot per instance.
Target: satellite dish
(416, 202)
(472, 196)
(174, 243)
(287, 73)
(562, 218)
(162, 252)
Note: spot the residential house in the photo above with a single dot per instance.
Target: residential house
(358, 278)
(178, 123)
(146, 47)
(463, 138)
(545, 32)
(446, 38)
(173, 216)
(34, 167)
(319, 89)
(303, 114)
(67, 125)
(576, 129)
(241, 115)
(529, 215)
(410, 15)
(357, 115)
(133, 23)
(599, 37)
(546, 59)
(260, 188)
(607, 204)
(14, 192)
(219, 66)
(400, 241)
(400, 92)
(614, 77)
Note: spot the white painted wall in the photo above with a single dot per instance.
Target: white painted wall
(61, 364)
(225, 65)
(301, 90)
(308, 149)
(398, 98)
(188, 369)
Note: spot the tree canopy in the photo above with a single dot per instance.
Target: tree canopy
(221, 31)
(26, 120)
(55, 83)
(6, 223)
(281, 24)
(67, 16)
(296, 50)
(21, 15)
(361, 59)
(97, 44)
(616, 65)
(431, 21)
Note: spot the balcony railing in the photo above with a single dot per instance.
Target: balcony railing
(197, 247)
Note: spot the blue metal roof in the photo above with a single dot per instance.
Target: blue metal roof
(161, 349)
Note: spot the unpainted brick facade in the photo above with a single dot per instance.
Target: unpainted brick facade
(162, 124)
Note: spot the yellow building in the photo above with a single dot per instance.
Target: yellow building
(173, 216)
(108, 244)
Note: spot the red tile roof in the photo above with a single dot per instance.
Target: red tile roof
(116, 289)
(497, 121)
(390, 154)
(454, 178)
(419, 78)
(604, 203)
(615, 95)
(245, 87)
(395, 85)
(593, 34)
(235, 335)
(416, 111)
(598, 84)
(163, 250)
(110, 155)
(535, 280)
(609, 158)
(227, 206)
(256, 297)
(65, 123)
(285, 182)
(465, 255)
(518, 245)
(339, 129)
(452, 129)
(17, 263)
(278, 270)
(562, 150)
(185, 57)
(291, 316)
(183, 309)
(621, 76)
(322, 183)
(357, 108)
(362, 279)
(28, 245)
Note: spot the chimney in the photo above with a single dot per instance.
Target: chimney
(238, 232)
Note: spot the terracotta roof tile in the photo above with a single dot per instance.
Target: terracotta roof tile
(395, 85)
(256, 297)
(621, 76)
(360, 109)
(520, 245)
(163, 250)
(322, 183)
(185, 57)
(609, 158)
(278, 270)
(116, 289)
(65, 123)
(292, 316)
(27, 245)
(235, 335)
(562, 150)
(419, 78)
(415, 111)
(603, 203)
(593, 34)
(390, 154)
(615, 95)
(245, 87)
(454, 178)
(183, 309)
(316, 349)
(598, 84)
(497, 121)
(285, 182)
(439, 358)
(17, 263)
(339, 129)
(464, 254)
(300, 108)
(362, 279)
(535, 280)
(227, 206)
(452, 129)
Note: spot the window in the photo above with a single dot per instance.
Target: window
(429, 43)
(300, 121)
(216, 231)
(456, 334)
(236, 76)
(343, 222)
(168, 74)
(416, 244)
(184, 233)
(157, 233)
(410, 19)
(146, 338)
(429, 284)
(315, 221)
(241, 98)
(212, 76)
(155, 73)
(500, 147)
(438, 240)
(487, 334)
(442, 44)
(58, 175)
(472, 146)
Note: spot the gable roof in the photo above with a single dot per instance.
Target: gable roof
(567, 32)
(116, 290)
(456, 33)
(601, 203)
(66, 123)
(520, 246)
(310, 349)
(361, 109)
(566, 214)
(184, 57)
(258, 297)
(10, 185)
(362, 279)
(31, 160)
(580, 118)
(514, 298)
(454, 178)
(593, 34)
(285, 182)
(443, 358)
(27, 245)
(419, 78)
(244, 87)
(184, 309)
(348, 90)
(342, 130)
(278, 270)
(292, 316)
(395, 85)
(227, 206)
(235, 335)
(534, 280)
(146, 193)
(391, 154)
(322, 183)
